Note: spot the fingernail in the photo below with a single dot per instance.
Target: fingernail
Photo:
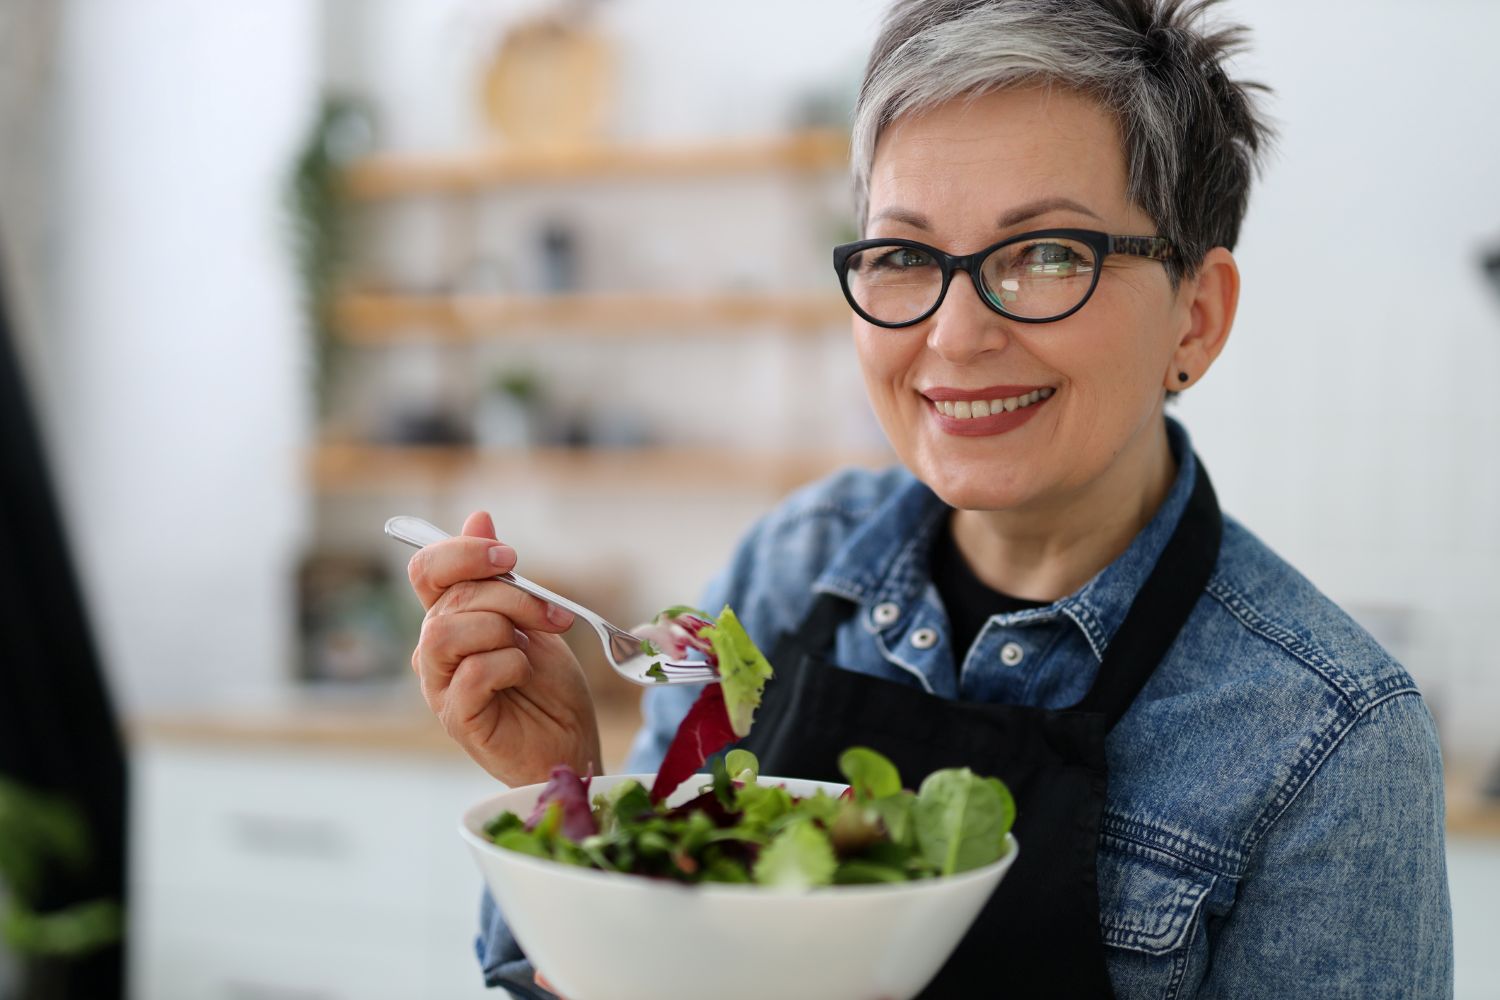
(522, 639)
(502, 555)
(561, 617)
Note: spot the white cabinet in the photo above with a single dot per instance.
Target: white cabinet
(281, 873)
(1474, 881)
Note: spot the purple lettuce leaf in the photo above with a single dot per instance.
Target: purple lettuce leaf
(571, 793)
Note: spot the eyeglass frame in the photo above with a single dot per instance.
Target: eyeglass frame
(1103, 244)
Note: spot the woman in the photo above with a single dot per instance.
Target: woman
(1233, 791)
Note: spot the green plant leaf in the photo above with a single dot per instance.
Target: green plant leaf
(74, 930)
(895, 813)
(799, 857)
(961, 819)
(743, 670)
(524, 841)
(858, 871)
(739, 762)
(762, 805)
(871, 774)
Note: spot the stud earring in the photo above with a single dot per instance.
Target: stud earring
(1182, 376)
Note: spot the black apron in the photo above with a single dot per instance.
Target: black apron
(1038, 936)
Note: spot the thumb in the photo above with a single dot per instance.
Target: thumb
(479, 524)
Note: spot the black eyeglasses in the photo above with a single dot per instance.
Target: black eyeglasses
(1035, 277)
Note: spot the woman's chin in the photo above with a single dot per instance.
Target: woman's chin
(973, 488)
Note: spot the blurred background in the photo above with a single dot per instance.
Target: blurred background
(276, 271)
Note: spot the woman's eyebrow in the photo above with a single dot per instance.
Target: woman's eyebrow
(1014, 217)
(1031, 210)
(914, 219)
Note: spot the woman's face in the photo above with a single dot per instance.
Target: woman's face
(961, 177)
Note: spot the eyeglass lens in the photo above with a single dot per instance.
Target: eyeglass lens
(1034, 279)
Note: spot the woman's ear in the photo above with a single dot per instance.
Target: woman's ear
(1208, 301)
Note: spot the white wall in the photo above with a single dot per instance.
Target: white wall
(182, 408)
(1350, 422)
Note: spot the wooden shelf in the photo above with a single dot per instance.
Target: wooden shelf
(376, 319)
(354, 468)
(394, 175)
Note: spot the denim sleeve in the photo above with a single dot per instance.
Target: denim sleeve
(1347, 893)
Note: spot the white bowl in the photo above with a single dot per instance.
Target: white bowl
(605, 936)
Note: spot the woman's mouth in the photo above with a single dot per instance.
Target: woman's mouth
(973, 417)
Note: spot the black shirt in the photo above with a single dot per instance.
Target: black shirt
(968, 600)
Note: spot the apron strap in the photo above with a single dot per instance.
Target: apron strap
(1161, 607)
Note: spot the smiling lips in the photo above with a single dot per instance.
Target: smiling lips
(981, 412)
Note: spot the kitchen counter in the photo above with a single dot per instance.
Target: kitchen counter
(382, 727)
(1470, 814)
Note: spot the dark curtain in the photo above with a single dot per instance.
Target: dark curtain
(58, 732)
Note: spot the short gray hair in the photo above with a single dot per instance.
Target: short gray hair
(1192, 136)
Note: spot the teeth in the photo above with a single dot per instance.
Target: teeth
(963, 409)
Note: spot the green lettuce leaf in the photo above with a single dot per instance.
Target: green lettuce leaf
(799, 857)
(858, 871)
(743, 670)
(895, 813)
(762, 805)
(742, 766)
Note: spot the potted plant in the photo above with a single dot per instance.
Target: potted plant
(38, 832)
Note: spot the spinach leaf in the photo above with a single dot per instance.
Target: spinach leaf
(961, 819)
(870, 774)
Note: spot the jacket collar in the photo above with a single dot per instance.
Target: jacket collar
(884, 562)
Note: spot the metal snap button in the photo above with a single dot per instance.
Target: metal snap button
(1011, 653)
(886, 613)
(924, 638)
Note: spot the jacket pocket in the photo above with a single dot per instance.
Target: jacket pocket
(1147, 903)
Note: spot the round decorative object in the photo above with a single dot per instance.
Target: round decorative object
(885, 614)
(1011, 654)
(547, 83)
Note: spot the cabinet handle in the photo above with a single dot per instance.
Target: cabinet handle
(289, 836)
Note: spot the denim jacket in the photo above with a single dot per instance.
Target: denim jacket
(1274, 819)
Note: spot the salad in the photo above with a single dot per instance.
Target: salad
(736, 830)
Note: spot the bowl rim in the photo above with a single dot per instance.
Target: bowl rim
(482, 811)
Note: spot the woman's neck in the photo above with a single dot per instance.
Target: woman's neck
(1046, 552)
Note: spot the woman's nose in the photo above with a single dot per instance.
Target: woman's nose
(964, 326)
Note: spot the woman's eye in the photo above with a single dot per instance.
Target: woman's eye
(1053, 258)
(900, 258)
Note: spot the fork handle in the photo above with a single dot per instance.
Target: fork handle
(419, 533)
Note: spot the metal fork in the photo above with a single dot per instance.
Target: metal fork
(621, 648)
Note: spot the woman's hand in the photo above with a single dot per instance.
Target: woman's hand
(493, 665)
